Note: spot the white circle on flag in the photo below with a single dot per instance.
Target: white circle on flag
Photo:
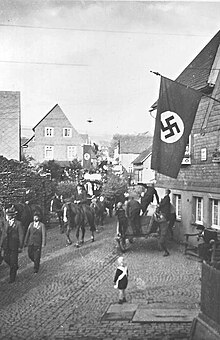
(86, 156)
(172, 127)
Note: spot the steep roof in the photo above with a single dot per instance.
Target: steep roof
(134, 144)
(196, 74)
(57, 113)
(144, 155)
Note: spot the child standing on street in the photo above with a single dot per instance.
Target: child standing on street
(121, 279)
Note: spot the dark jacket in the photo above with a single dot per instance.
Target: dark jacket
(164, 206)
(13, 236)
(120, 213)
(35, 236)
(133, 206)
(56, 204)
(149, 195)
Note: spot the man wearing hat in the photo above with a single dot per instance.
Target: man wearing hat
(12, 241)
(35, 239)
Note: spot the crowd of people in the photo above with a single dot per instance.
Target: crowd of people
(13, 240)
(163, 219)
(128, 211)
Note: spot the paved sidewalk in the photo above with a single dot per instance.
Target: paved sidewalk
(71, 295)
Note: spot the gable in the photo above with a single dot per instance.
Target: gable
(51, 118)
(57, 118)
(196, 74)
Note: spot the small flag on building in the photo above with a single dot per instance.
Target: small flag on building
(87, 148)
(176, 111)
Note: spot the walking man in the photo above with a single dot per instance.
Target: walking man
(35, 239)
(12, 241)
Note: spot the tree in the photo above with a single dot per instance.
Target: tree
(53, 168)
(115, 186)
(75, 164)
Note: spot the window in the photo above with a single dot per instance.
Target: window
(199, 210)
(67, 132)
(48, 152)
(215, 213)
(177, 204)
(49, 132)
(71, 152)
(138, 175)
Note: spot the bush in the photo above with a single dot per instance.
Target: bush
(66, 189)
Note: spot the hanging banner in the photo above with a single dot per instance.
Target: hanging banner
(87, 148)
(177, 106)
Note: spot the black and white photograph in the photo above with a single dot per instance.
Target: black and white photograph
(109, 170)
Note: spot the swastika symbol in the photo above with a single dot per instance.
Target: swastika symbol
(172, 127)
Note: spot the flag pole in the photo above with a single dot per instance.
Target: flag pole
(158, 74)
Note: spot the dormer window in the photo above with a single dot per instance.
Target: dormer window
(67, 132)
(49, 132)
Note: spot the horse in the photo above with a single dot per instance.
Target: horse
(78, 216)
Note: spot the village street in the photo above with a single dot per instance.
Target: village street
(72, 296)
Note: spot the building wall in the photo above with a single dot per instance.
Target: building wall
(126, 160)
(147, 175)
(57, 120)
(202, 177)
(10, 124)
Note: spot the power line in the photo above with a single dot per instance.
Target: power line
(100, 30)
(40, 63)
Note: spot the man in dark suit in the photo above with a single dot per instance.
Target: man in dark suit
(12, 241)
(164, 205)
(148, 197)
(133, 209)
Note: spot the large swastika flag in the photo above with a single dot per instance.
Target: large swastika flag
(176, 110)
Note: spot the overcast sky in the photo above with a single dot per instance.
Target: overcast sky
(94, 58)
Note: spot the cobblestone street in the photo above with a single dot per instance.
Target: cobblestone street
(74, 287)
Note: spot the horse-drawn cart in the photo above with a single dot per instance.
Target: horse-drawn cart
(147, 230)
